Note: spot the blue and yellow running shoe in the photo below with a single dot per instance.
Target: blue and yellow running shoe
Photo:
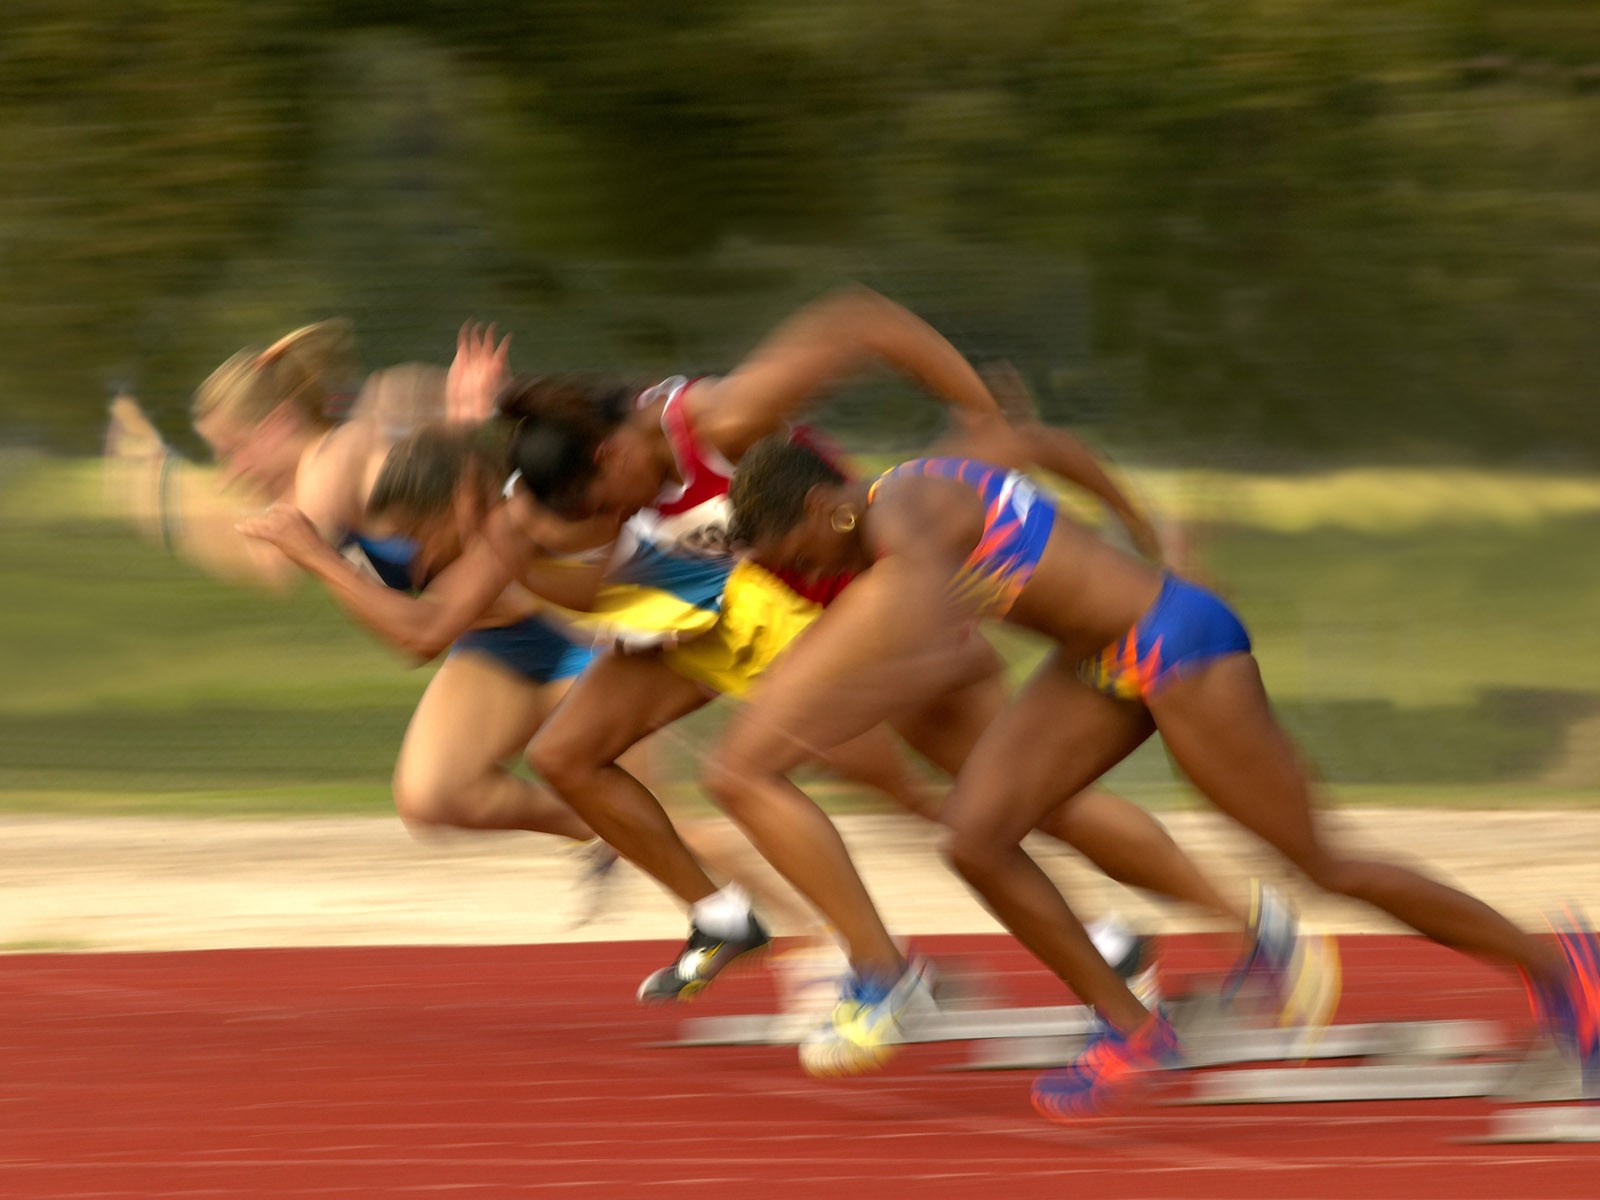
(1569, 1012)
(1111, 1070)
(869, 1022)
(1293, 970)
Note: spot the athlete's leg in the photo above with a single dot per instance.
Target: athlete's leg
(1219, 726)
(1130, 846)
(724, 850)
(614, 704)
(877, 760)
(474, 717)
(1121, 839)
(1056, 737)
(863, 661)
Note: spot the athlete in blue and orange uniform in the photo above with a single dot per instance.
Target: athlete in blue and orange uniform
(943, 543)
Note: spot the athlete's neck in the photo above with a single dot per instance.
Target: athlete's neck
(660, 447)
(305, 444)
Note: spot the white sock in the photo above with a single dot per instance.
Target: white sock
(1112, 936)
(723, 914)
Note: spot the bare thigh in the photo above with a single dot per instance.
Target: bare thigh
(868, 659)
(1057, 736)
(1221, 731)
(617, 701)
(474, 716)
(946, 728)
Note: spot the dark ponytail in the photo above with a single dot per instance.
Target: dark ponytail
(556, 425)
(421, 472)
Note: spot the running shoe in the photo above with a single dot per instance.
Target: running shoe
(1569, 1012)
(1294, 970)
(596, 881)
(701, 960)
(1109, 1073)
(869, 1022)
(810, 979)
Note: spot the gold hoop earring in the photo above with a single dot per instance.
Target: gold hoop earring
(844, 524)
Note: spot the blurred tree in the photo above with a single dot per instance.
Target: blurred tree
(1281, 228)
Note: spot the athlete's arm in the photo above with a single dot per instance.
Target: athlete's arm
(1032, 443)
(422, 625)
(1062, 454)
(199, 522)
(829, 340)
(557, 560)
(187, 507)
(568, 582)
(330, 487)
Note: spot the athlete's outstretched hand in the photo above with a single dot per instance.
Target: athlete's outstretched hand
(130, 472)
(130, 433)
(479, 370)
(1061, 453)
(287, 528)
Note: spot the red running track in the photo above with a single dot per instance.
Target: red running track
(526, 1070)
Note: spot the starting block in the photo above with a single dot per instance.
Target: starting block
(947, 1025)
(1379, 1081)
(1577, 1123)
(1024, 1038)
(1223, 1046)
(1543, 1075)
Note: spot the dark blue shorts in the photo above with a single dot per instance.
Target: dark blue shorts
(531, 648)
(1185, 628)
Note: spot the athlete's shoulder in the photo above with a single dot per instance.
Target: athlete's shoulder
(330, 483)
(925, 497)
(669, 390)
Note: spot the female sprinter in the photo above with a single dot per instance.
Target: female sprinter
(941, 543)
(265, 415)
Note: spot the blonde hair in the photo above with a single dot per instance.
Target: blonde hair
(301, 369)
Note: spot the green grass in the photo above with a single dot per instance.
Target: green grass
(233, 799)
(1441, 652)
(45, 946)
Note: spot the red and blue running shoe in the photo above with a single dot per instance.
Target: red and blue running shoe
(1112, 1069)
(1569, 1011)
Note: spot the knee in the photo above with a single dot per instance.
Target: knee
(424, 801)
(564, 763)
(974, 855)
(726, 778)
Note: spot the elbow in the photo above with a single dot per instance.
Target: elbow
(852, 310)
(280, 579)
(419, 642)
(857, 306)
(422, 649)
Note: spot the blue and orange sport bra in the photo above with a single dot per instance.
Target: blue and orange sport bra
(1017, 521)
